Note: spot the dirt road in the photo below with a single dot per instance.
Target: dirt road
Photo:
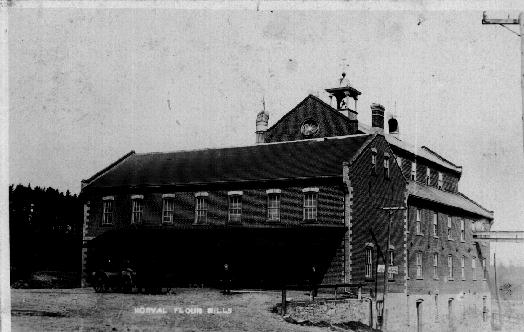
(187, 310)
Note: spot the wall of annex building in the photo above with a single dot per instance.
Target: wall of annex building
(450, 179)
(330, 210)
(371, 191)
(426, 245)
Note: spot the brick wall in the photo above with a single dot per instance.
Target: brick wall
(330, 210)
(254, 207)
(449, 179)
(371, 192)
(427, 245)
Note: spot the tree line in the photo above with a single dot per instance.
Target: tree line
(45, 230)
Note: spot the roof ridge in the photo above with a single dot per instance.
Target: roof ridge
(318, 139)
(107, 168)
(439, 156)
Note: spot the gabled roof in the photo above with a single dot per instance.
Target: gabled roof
(458, 200)
(331, 122)
(315, 158)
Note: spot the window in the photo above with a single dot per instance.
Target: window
(369, 262)
(462, 271)
(440, 180)
(391, 263)
(168, 208)
(414, 171)
(107, 214)
(462, 230)
(450, 267)
(473, 268)
(428, 176)
(484, 270)
(373, 160)
(450, 235)
(201, 207)
(310, 204)
(417, 224)
(137, 209)
(386, 166)
(235, 206)
(435, 224)
(273, 205)
(399, 161)
(435, 265)
(419, 265)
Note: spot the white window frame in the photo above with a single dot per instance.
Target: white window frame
(450, 228)
(450, 267)
(168, 210)
(419, 260)
(418, 226)
(273, 206)
(474, 268)
(414, 171)
(435, 224)
(435, 265)
(462, 267)
(310, 204)
(369, 262)
(386, 166)
(462, 230)
(137, 209)
(235, 206)
(107, 210)
(428, 176)
(440, 180)
(201, 208)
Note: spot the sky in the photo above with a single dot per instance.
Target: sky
(88, 85)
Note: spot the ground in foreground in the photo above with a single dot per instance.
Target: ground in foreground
(83, 309)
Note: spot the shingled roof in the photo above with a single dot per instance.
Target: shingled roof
(458, 200)
(316, 158)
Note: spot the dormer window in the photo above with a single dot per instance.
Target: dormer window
(137, 208)
(440, 180)
(428, 176)
(373, 160)
(386, 166)
(413, 171)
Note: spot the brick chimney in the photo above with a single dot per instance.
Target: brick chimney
(393, 126)
(377, 117)
(262, 124)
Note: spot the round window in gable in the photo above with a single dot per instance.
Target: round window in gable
(309, 128)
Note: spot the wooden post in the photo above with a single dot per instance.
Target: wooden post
(371, 312)
(360, 292)
(284, 298)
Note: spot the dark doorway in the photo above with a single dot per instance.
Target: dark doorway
(419, 315)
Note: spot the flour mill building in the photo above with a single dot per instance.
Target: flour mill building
(313, 191)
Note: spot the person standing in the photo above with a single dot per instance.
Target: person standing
(226, 280)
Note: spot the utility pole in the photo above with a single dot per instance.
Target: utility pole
(503, 22)
(391, 210)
